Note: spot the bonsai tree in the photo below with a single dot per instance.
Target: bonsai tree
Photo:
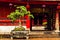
(20, 11)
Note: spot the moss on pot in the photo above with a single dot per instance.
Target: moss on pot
(19, 29)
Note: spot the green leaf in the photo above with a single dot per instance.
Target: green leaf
(21, 14)
(17, 7)
(16, 10)
(20, 11)
(23, 8)
(28, 12)
(31, 16)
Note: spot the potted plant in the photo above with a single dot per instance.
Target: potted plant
(20, 11)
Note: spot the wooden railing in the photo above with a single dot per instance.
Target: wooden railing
(10, 23)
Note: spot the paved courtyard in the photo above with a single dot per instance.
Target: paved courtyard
(33, 39)
(38, 36)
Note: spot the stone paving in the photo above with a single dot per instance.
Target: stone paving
(33, 39)
(45, 34)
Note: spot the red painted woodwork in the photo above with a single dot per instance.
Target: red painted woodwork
(7, 21)
(5, 0)
(43, 2)
(31, 2)
(28, 23)
(14, 1)
(5, 10)
(28, 20)
(58, 7)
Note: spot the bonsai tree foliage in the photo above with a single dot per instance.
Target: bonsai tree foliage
(20, 11)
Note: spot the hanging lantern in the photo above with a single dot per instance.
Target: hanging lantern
(58, 7)
(28, 6)
(10, 4)
(43, 5)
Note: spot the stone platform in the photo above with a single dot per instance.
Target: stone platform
(44, 34)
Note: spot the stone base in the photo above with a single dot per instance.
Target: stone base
(57, 31)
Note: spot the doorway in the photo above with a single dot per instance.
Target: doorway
(43, 19)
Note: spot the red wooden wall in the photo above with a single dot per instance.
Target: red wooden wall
(5, 9)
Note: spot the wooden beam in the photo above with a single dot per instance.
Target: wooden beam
(31, 2)
(42, 2)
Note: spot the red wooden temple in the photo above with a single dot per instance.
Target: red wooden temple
(51, 6)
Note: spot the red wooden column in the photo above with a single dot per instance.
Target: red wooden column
(28, 19)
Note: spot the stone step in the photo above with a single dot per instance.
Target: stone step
(44, 34)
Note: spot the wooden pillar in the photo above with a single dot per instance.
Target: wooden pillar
(57, 20)
(28, 19)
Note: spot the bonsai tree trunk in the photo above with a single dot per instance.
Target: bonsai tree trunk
(20, 22)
